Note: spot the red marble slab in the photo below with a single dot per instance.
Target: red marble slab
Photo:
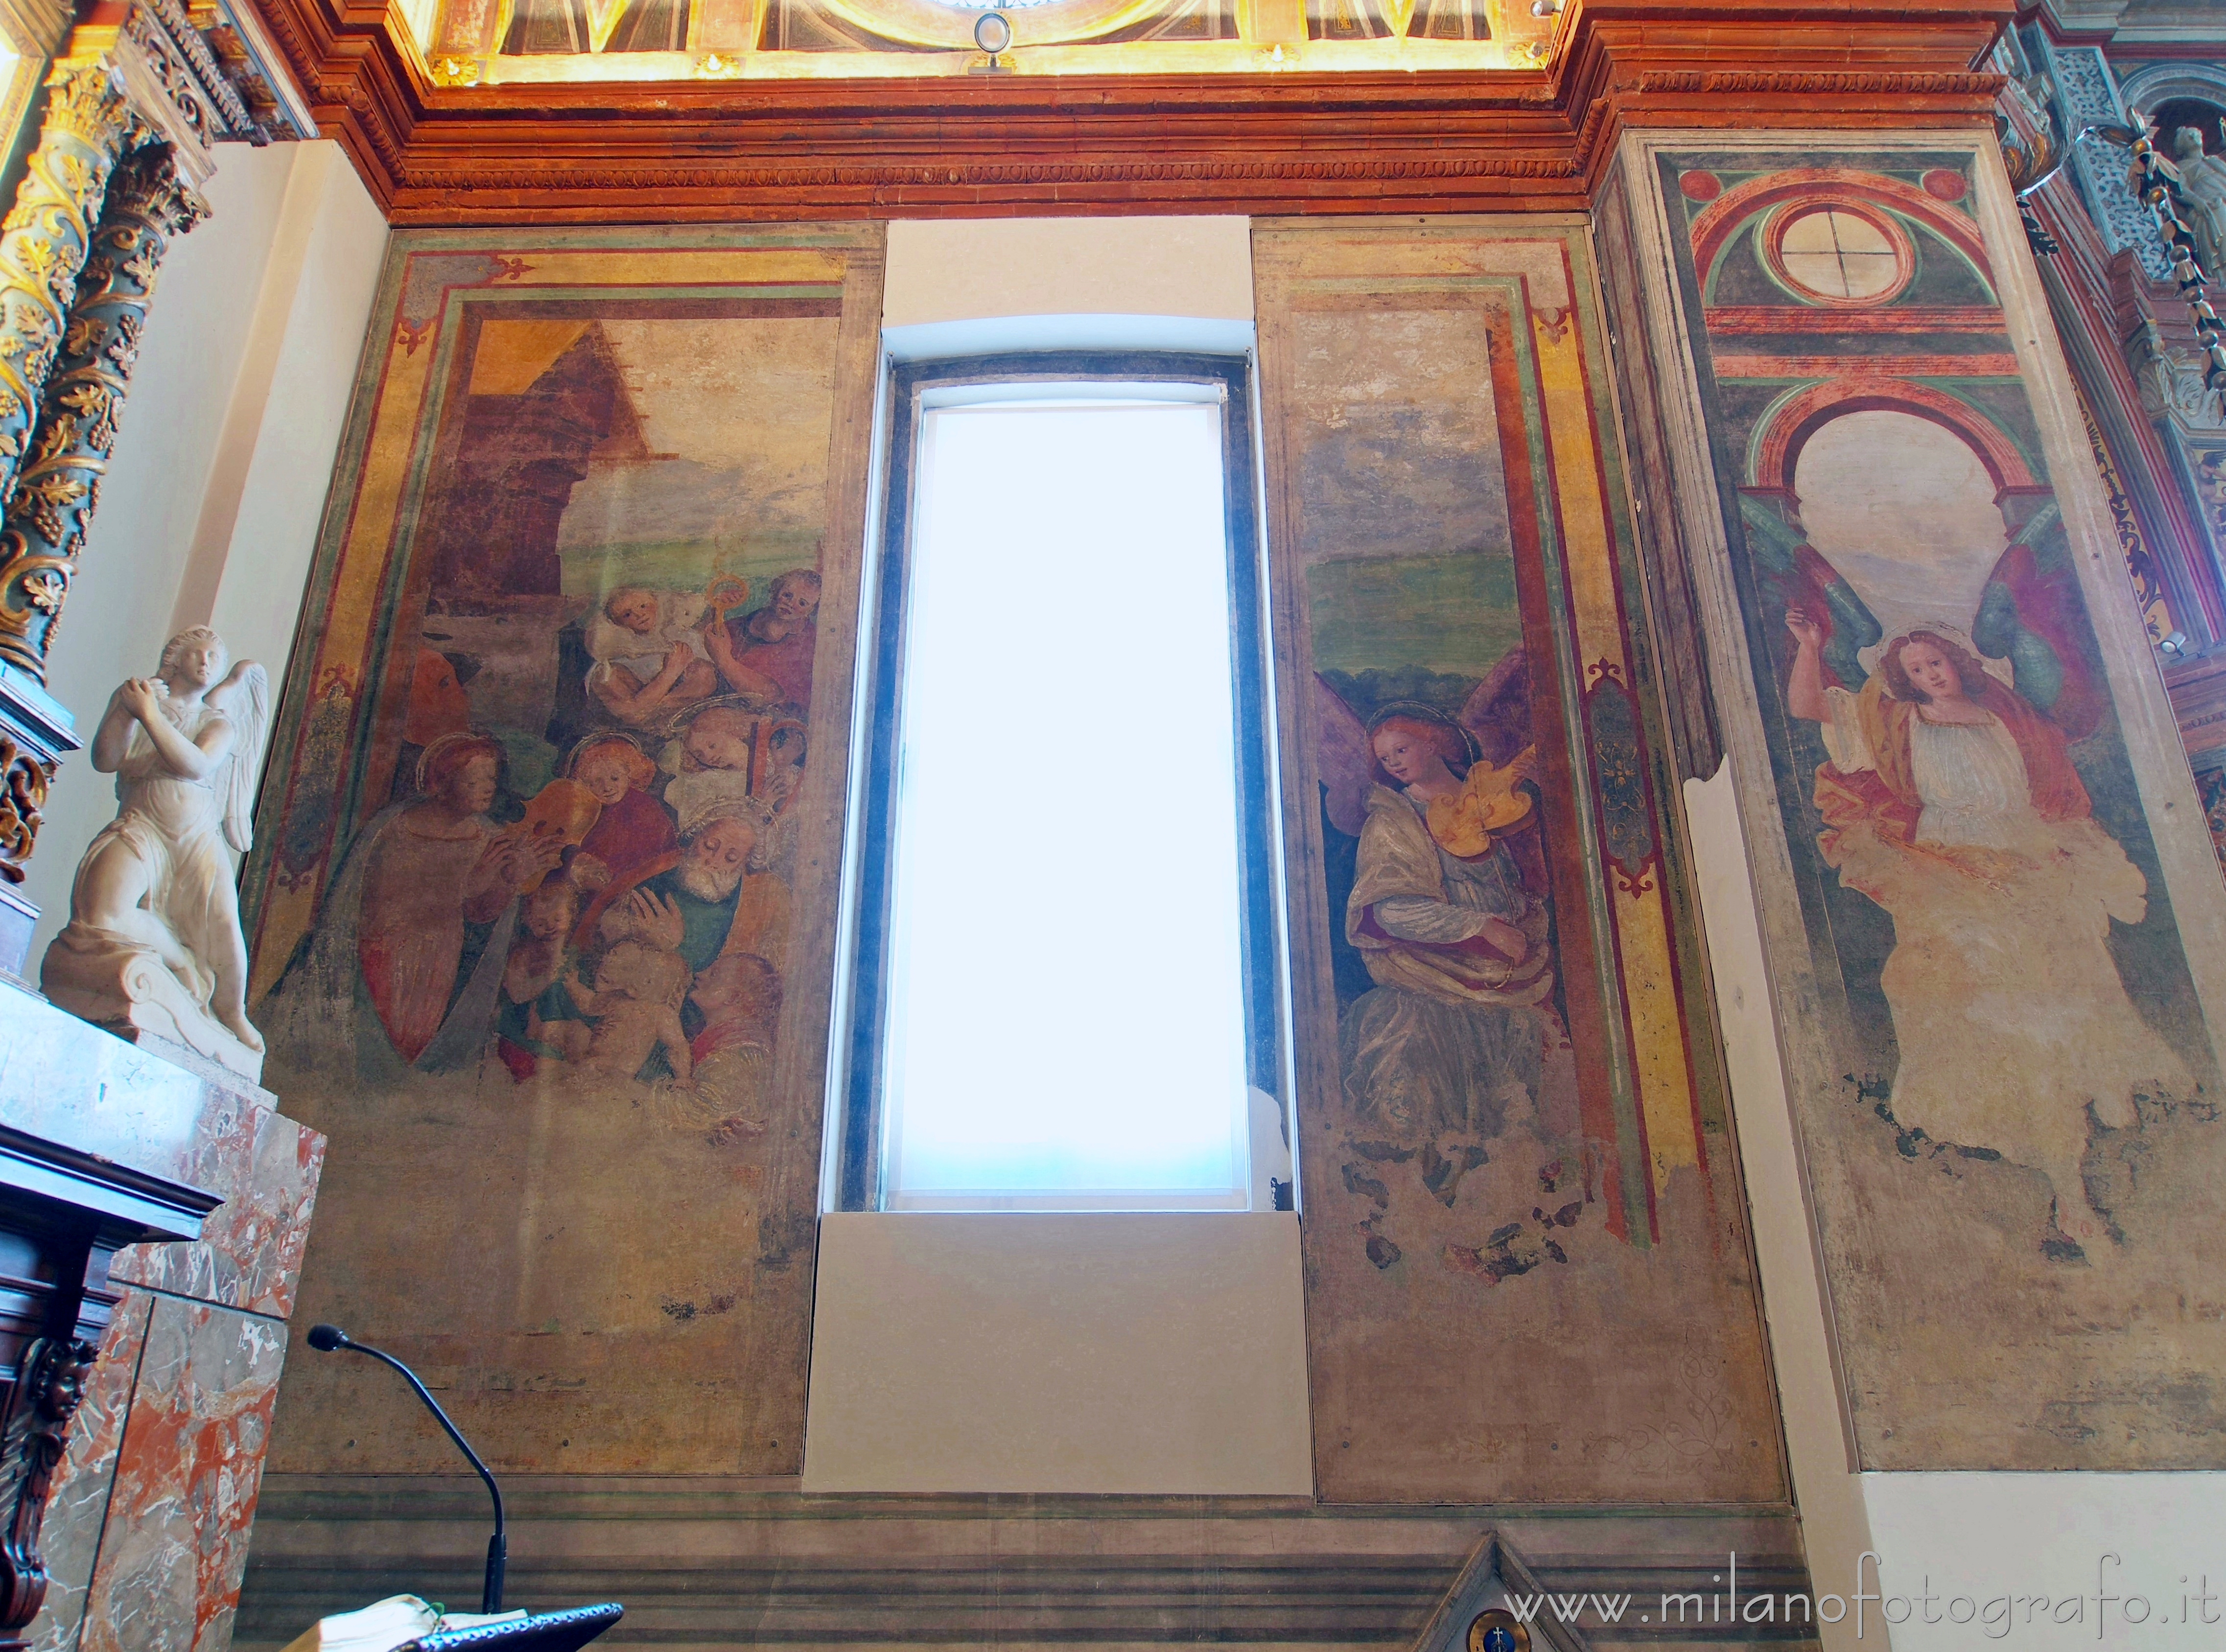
(70, 1082)
(79, 1501)
(187, 1477)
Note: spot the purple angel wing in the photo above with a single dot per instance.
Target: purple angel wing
(1344, 761)
(1498, 711)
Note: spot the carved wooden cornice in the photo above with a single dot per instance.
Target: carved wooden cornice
(711, 150)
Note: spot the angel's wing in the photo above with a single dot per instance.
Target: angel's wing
(1347, 765)
(245, 697)
(1498, 711)
(2030, 615)
(1795, 574)
(1850, 627)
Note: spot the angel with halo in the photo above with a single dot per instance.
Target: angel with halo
(1447, 911)
(154, 939)
(1949, 799)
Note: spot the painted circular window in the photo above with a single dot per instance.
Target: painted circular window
(1841, 255)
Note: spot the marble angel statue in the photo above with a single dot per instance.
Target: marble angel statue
(154, 940)
(1949, 798)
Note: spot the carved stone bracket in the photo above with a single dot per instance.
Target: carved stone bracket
(46, 237)
(58, 486)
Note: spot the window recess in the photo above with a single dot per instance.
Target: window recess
(1063, 984)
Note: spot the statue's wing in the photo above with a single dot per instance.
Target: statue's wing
(2030, 614)
(1497, 710)
(245, 697)
(1347, 764)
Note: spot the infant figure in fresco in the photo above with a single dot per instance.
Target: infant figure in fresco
(738, 994)
(537, 1012)
(635, 1004)
(650, 653)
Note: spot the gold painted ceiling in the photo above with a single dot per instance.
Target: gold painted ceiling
(470, 42)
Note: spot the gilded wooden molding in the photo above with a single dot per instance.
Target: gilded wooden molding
(59, 487)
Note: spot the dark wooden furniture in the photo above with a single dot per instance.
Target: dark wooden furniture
(63, 1215)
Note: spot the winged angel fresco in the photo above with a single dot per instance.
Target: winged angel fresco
(1949, 798)
(1448, 911)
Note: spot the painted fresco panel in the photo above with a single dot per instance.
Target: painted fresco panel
(540, 892)
(1529, 1273)
(2013, 1132)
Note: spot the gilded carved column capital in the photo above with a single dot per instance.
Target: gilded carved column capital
(59, 485)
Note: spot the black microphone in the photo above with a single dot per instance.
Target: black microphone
(327, 1338)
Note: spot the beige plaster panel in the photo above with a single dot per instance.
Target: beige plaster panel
(957, 269)
(1120, 1352)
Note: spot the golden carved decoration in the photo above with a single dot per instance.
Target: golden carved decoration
(59, 488)
(46, 238)
(23, 781)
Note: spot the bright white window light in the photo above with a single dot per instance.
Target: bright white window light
(1066, 973)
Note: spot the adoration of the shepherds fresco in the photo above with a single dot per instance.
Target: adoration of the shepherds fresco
(1515, 1152)
(2011, 1107)
(525, 922)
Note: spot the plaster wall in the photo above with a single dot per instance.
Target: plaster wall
(1104, 1353)
(224, 452)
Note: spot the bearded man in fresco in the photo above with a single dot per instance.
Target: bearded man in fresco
(704, 901)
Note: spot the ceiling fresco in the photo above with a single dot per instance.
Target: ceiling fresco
(466, 42)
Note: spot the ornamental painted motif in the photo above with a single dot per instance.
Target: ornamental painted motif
(476, 42)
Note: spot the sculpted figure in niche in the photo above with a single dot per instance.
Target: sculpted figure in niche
(154, 939)
(2203, 179)
(1951, 802)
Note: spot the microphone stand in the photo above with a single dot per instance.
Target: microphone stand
(327, 1338)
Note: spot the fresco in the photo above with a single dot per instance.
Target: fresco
(541, 821)
(1515, 1153)
(2017, 1149)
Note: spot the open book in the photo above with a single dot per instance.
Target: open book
(384, 1624)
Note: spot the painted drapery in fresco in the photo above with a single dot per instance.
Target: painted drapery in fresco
(1528, 1263)
(545, 810)
(2019, 1153)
